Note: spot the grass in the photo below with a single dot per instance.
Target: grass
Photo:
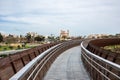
(4, 48)
(16, 47)
(113, 48)
(7, 47)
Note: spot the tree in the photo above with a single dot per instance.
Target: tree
(10, 39)
(39, 38)
(58, 38)
(117, 35)
(28, 36)
(1, 37)
(64, 37)
(21, 38)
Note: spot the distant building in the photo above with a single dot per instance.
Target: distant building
(4, 35)
(64, 35)
(33, 34)
(96, 35)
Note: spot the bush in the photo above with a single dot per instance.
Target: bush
(18, 47)
(11, 47)
(24, 44)
(5, 48)
(3, 55)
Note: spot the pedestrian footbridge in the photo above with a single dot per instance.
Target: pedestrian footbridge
(69, 60)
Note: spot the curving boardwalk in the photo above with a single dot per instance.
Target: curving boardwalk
(68, 66)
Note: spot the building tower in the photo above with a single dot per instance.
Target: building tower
(64, 35)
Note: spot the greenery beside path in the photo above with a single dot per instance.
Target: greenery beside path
(15, 46)
(113, 48)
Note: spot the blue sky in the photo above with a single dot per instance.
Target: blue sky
(80, 17)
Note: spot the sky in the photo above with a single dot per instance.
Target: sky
(80, 17)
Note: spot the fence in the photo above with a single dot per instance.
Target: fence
(12, 64)
(37, 68)
(100, 67)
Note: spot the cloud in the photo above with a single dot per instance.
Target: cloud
(29, 20)
(60, 14)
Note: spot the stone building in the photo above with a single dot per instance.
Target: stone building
(64, 35)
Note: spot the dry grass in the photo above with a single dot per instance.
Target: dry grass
(113, 48)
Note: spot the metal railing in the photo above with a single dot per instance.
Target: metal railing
(22, 73)
(37, 68)
(11, 64)
(99, 68)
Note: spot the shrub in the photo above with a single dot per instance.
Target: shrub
(18, 47)
(23, 45)
(11, 47)
(3, 55)
(5, 48)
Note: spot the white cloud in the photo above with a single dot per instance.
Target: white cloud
(59, 14)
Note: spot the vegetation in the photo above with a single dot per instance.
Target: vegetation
(13, 42)
(15, 47)
(52, 38)
(3, 55)
(1, 37)
(113, 48)
(39, 38)
(28, 37)
(30, 40)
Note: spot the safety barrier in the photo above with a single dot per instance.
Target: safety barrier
(37, 68)
(13, 63)
(95, 46)
(98, 67)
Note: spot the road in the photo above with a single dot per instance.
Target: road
(68, 66)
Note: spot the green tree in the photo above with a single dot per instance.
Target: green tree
(1, 37)
(51, 38)
(39, 38)
(58, 38)
(21, 37)
(28, 36)
(117, 35)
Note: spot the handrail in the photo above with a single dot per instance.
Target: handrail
(25, 69)
(38, 67)
(89, 55)
(117, 66)
(32, 74)
(95, 67)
